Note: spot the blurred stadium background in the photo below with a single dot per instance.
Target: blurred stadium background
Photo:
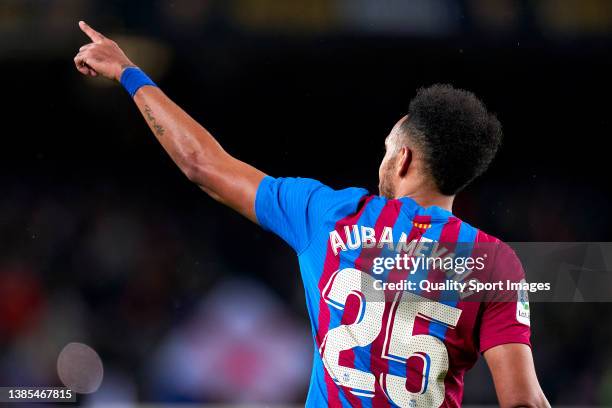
(102, 241)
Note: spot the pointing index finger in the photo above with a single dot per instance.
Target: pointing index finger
(90, 32)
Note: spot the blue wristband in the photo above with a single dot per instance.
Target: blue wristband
(132, 79)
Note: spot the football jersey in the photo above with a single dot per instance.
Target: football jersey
(386, 348)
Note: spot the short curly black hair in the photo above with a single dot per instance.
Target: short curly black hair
(457, 134)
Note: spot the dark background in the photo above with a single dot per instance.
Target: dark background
(103, 241)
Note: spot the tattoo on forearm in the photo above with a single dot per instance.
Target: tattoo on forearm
(157, 128)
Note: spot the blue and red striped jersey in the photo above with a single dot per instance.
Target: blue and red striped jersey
(375, 347)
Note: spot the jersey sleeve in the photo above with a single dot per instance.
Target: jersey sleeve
(505, 317)
(294, 208)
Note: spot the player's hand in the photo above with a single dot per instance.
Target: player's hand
(100, 57)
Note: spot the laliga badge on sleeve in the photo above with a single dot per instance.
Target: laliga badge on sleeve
(522, 305)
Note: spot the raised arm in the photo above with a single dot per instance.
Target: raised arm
(514, 376)
(194, 150)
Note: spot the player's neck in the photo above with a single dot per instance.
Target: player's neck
(430, 198)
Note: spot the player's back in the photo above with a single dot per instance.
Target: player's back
(382, 336)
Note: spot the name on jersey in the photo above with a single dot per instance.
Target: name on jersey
(352, 237)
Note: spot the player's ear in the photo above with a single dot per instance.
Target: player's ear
(404, 160)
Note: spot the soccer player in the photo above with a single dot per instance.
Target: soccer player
(370, 349)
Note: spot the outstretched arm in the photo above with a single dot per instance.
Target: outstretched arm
(194, 150)
(514, 376)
